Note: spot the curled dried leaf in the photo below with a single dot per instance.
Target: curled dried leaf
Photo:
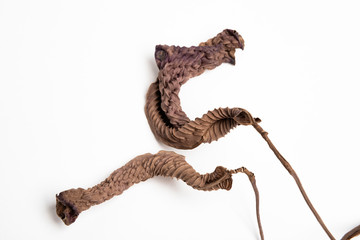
(169, 122)
(70, 203)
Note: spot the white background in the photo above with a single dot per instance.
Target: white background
(73, 79)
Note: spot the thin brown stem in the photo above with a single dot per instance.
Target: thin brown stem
(292, 172)
(352, 233)
(251, 177)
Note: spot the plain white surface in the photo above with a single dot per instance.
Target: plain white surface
(73, 79)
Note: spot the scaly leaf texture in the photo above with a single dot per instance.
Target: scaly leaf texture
(169, 122)
(70, 203)
(177, 65)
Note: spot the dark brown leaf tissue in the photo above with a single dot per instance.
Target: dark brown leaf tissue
(171, 126)
(177, 65)
(70, 203)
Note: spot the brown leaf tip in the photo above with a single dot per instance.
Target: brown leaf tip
(66, 210)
